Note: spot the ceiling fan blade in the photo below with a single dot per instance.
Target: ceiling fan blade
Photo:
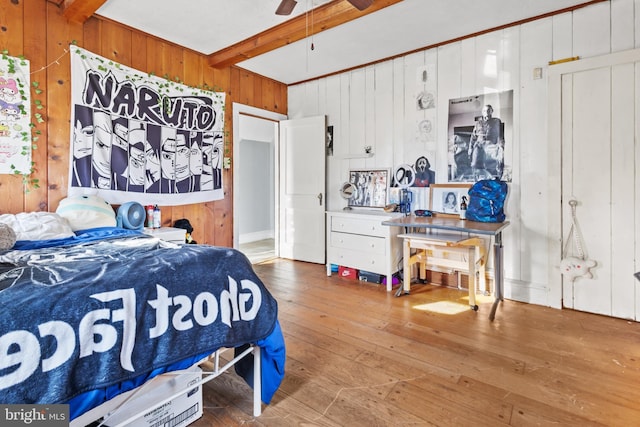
(286, 7)
(361, 4)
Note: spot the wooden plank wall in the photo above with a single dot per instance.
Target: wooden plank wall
(37, 30)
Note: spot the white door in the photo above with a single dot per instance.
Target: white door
(302, 189)
(599, 101)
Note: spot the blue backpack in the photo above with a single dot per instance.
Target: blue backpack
(486, 201)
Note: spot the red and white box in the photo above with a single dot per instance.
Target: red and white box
(348, 273)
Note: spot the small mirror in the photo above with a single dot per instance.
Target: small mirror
(348, 190)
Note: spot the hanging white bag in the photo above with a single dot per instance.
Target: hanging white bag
(573, 267)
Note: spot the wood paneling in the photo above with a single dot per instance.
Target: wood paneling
(11, 39)
(59, 35)
(39, 30)
(36, 198)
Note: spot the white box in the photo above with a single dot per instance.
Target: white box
(179, 412)
(169, 234)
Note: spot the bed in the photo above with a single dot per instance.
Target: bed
(91, 316)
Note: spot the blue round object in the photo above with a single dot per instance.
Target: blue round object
(131, 215)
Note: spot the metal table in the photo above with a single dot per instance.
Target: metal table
(491, 229)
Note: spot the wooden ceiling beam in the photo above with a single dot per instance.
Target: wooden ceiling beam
(79, 11)
(322, 18)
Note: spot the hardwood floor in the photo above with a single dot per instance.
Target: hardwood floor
(358, 356)
(259, 251)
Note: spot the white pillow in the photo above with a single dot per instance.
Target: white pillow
(84, 212)
(37, 225)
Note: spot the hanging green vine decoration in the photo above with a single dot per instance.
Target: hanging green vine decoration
(29, 180)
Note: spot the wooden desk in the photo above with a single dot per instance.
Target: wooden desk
(491, 229)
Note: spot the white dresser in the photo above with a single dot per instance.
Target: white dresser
(357, 239)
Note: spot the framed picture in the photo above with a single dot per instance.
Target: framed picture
(372, 188)
(444, 199)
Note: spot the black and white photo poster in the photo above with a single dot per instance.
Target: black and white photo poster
(138, 137)
(480, 137)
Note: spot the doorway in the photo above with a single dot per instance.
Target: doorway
(255, 200)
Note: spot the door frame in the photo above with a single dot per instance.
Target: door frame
(237, 110)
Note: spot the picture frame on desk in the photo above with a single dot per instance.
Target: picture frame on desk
(444, 199)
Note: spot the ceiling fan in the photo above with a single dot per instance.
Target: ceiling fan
(286, 6)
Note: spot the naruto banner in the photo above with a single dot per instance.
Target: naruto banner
(138, 137)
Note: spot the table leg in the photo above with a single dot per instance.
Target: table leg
(498, 274)
(481, 259)
(422, 266)
(472, 277)
(406, 263)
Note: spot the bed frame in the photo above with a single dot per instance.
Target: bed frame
(110, 407)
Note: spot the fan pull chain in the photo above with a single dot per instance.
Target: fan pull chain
(312, 22)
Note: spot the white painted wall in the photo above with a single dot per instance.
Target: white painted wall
(256, 190)
(374, 106)
(254, 196)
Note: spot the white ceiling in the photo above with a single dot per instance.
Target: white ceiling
(207, 26)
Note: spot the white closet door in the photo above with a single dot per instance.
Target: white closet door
(598, 155)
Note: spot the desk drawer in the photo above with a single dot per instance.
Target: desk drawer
(357, 242)
(369, 227)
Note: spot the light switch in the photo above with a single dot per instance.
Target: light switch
(537, 73)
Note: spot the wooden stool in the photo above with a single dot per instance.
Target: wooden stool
(431, 249)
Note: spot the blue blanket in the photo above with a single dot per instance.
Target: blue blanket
(93, 314)
(81, 236)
